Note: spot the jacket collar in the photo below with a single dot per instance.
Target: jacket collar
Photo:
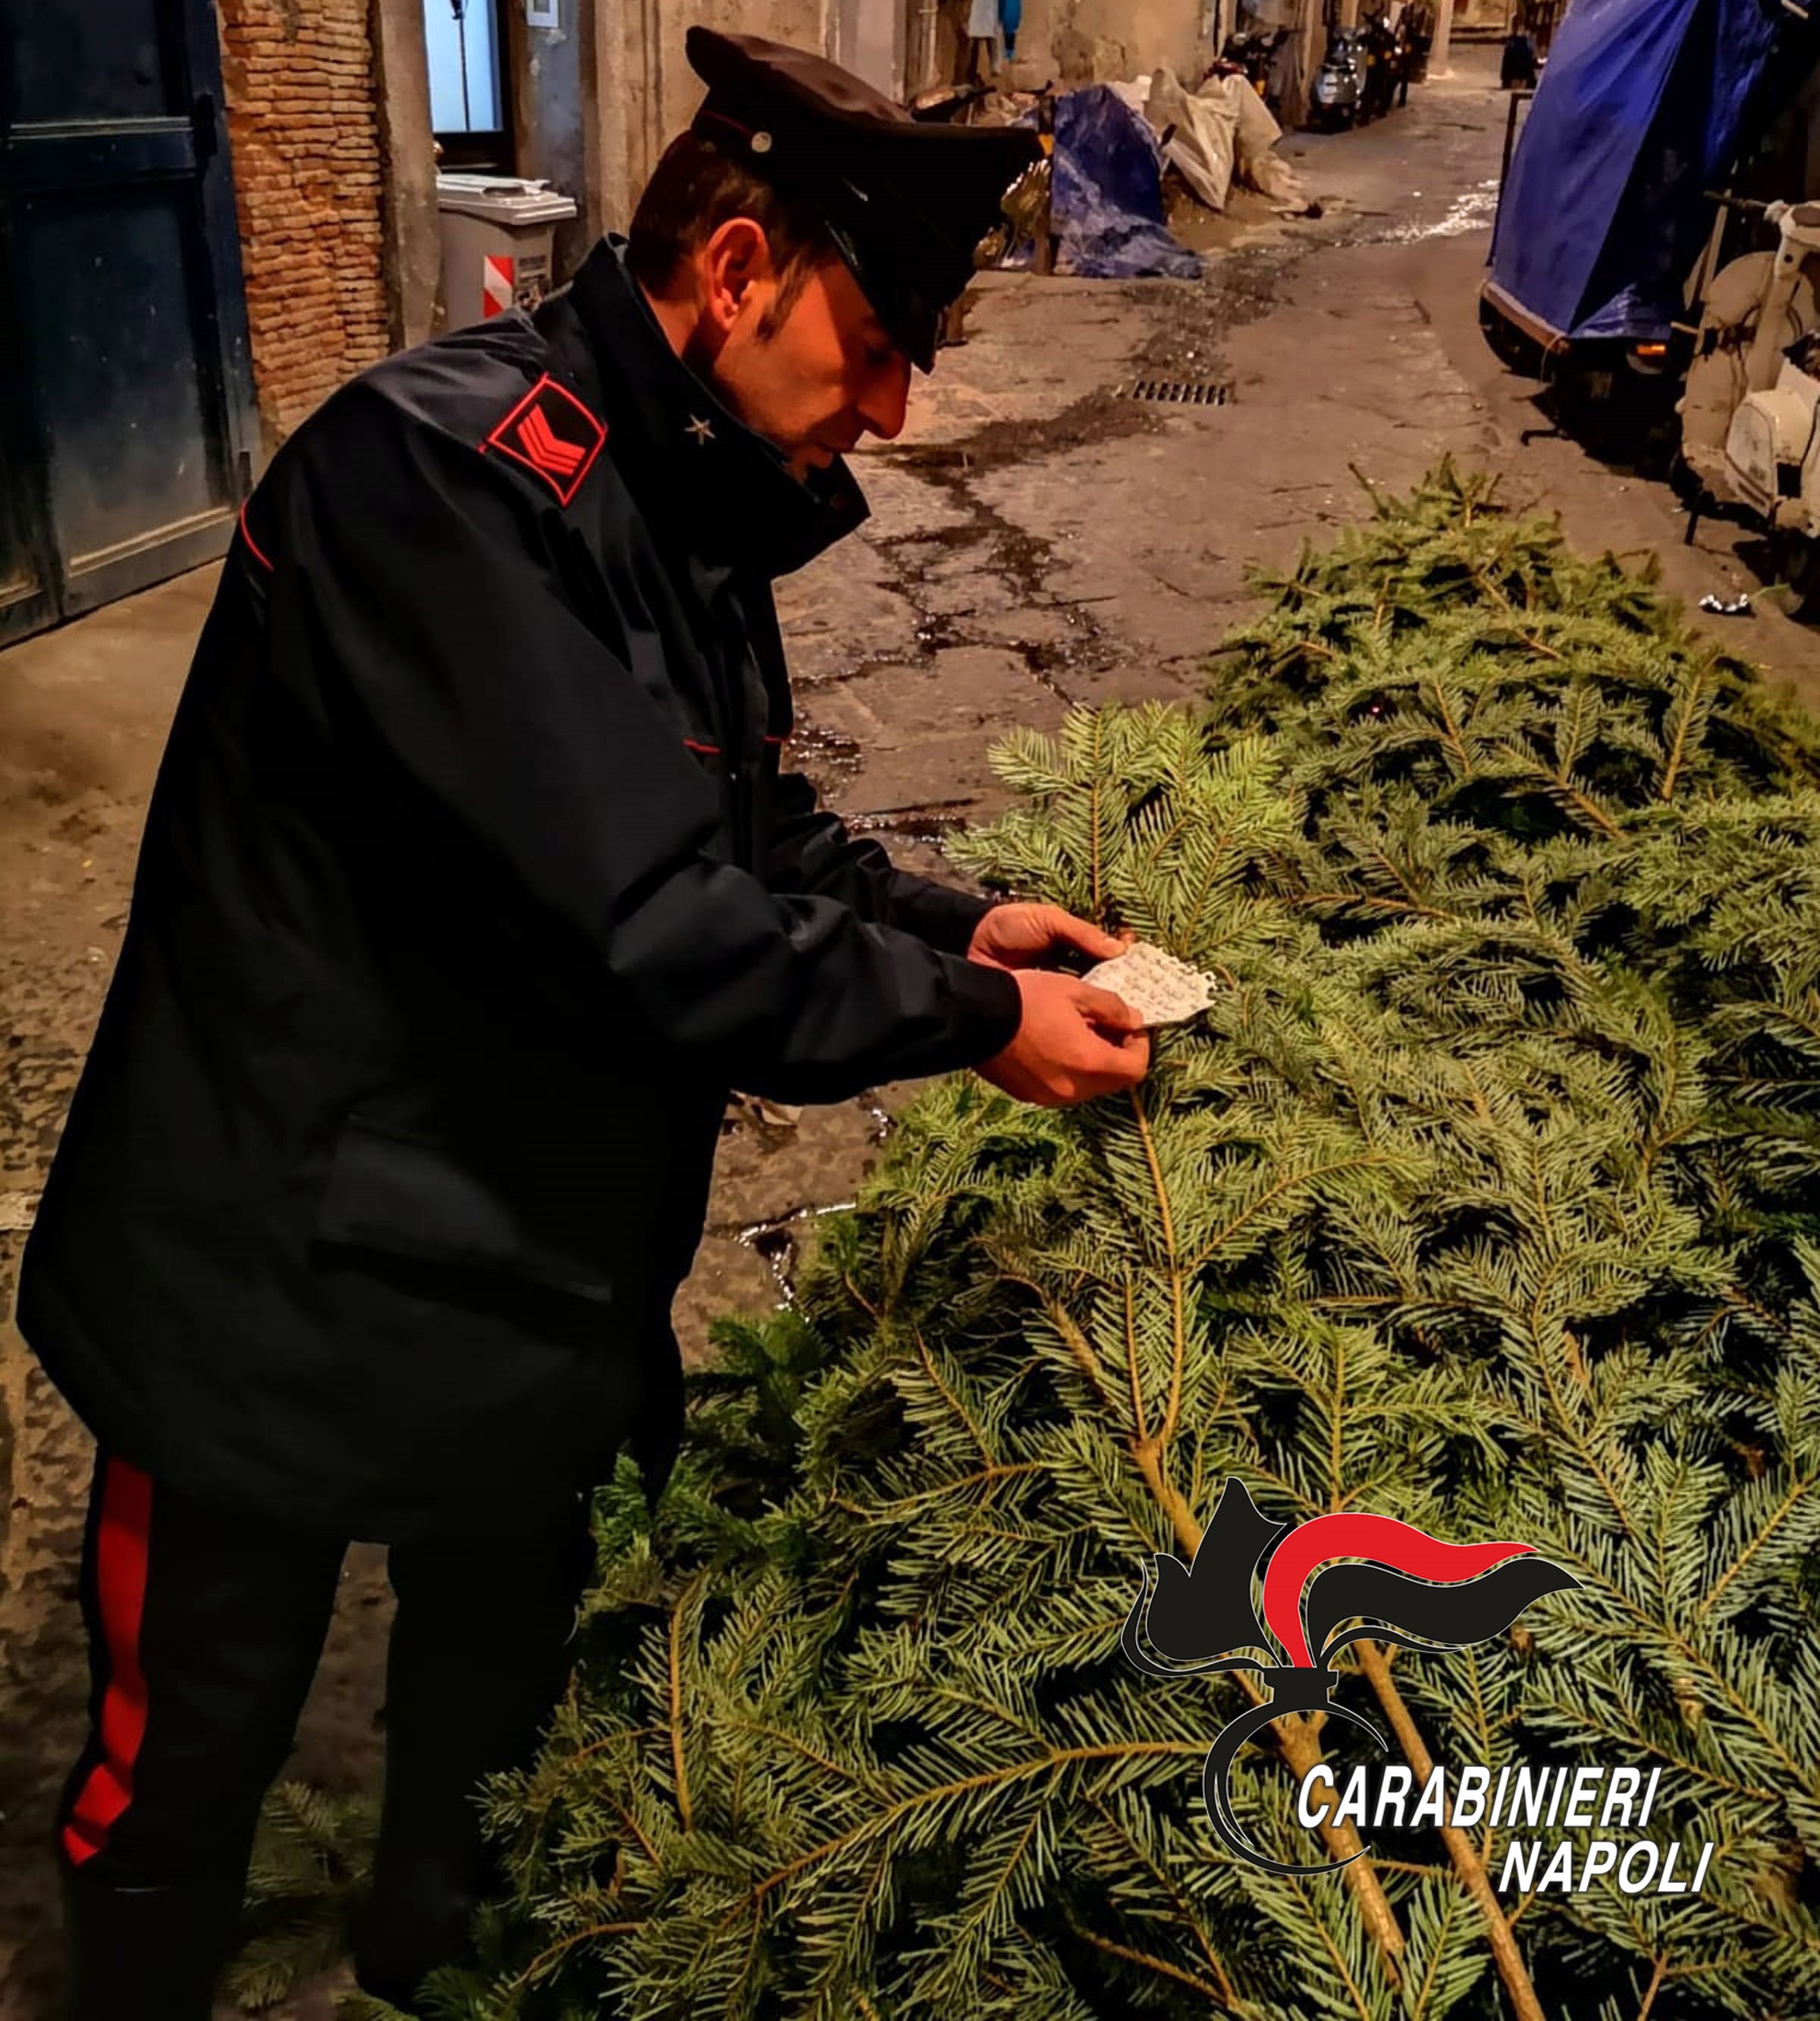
(726, 492)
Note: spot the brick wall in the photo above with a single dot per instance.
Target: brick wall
(303, 127)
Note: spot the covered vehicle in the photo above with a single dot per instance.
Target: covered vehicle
(1644, 107)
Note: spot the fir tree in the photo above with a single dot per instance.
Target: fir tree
(1483, 1197)
(312, 1861)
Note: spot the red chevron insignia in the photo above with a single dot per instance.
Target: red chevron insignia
(549, 432)
(545, 450)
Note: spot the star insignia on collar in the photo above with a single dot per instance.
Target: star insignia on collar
(702, 430)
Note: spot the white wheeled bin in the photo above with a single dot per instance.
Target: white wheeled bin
(496, 234)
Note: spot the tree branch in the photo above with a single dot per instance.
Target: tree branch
(1467, 1863)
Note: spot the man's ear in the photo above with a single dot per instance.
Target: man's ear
(734, 263)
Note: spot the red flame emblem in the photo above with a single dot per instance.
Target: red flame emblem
(1428, 1596)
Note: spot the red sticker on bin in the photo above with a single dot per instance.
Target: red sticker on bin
(551, 432)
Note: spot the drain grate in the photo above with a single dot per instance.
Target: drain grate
(1184, 392)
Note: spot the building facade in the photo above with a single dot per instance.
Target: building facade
(310, 193)
(215, 211)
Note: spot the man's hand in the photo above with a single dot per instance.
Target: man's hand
(1024, 936)
(1074, 1041)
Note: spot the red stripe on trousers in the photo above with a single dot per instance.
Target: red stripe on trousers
(120, 1562)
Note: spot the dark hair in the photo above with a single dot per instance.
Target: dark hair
(693, 190)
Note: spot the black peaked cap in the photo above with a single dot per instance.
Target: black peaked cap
(906, 202)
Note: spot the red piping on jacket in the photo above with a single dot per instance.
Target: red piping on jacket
(120, 1569)
(713, 750)
(253, 547)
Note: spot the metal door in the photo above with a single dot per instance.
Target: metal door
(126, 414)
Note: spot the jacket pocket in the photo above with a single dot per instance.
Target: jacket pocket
(401, 1196)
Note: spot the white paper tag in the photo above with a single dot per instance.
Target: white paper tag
(1160, 988)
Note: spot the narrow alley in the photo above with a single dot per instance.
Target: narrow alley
(1039, 538)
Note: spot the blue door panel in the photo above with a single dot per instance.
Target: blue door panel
(125, 400)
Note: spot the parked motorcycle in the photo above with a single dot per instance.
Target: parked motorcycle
(1338, 90)
(1417, 26)
(1383, 68)
(1253, 56)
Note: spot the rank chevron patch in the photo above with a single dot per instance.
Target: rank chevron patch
(549, 432)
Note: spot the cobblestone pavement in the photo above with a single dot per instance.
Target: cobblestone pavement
(1037, 540)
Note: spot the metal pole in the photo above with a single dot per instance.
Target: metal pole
(1517, 99)
(460, 10)
(1043, 260)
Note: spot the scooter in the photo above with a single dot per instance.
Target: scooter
(1253, 54)
(1338, 90)
(1383, 68)
(1750, 415)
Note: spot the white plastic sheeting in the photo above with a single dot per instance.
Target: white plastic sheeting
(1222, 134)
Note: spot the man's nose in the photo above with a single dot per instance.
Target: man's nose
(886, 400)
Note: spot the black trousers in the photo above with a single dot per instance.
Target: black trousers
(204, 1629)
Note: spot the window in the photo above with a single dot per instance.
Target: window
(469, 112)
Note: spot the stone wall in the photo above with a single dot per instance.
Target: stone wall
(1083, 40)
(304, 126)
(641, 80)
(1126, 37)
(870, 37)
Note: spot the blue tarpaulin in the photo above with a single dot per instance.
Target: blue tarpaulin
(1643, 107)
(1108, 191)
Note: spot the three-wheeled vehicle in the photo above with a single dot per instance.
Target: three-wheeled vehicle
(1606, 236)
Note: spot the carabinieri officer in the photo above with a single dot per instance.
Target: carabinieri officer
(471, 885)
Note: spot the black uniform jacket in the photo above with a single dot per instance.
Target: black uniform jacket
(470, 887)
